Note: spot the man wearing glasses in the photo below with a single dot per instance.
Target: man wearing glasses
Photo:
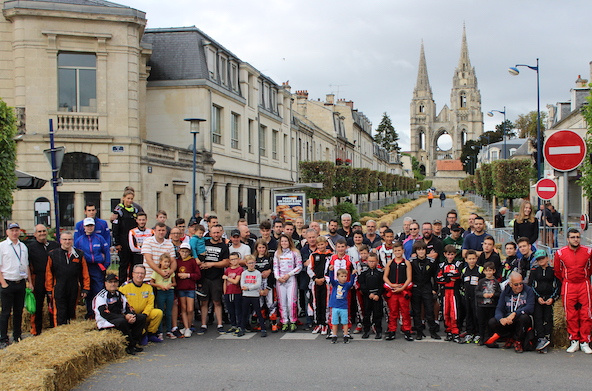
(573, 267)
(414, 235)
(512, 314)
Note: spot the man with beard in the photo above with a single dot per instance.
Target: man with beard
(474, 240)
(333, 236)
(434, 245)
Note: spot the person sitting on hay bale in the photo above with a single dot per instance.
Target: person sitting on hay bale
(112, 311)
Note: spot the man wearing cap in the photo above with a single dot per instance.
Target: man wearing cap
(101, 227)
(39, 248)
(437, 230)
(246, 237)
(140, 297)
(456, 240)
(357, 228)
(98, 258)
(236, 245)
(113, 311)
(14, 278)
(66, 274)
(573, 267)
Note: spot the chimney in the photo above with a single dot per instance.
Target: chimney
(350, 104)
(330, 99)
(581, 83)
(302, 94)
(286, 85)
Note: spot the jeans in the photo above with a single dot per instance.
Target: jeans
(164, 301)
(13, 299)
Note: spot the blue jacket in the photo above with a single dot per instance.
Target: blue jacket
(340, 292)
(101, 228)
(507, 302)
(95, 249)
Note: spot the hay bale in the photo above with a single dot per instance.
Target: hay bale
(559, 337)
(59, 358)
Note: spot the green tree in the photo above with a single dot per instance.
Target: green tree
(586, 179)
(527, 124)
(509, 129)
(386, 136)
(7, 159)
(468, 155)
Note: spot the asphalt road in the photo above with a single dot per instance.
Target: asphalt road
(423, 213)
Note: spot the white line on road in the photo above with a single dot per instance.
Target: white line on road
(232, 336)
(567, 150)
(304, 336)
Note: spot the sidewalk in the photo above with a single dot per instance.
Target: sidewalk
(423, 213)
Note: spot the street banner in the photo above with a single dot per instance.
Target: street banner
(289, 206)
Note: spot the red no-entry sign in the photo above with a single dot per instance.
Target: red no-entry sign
(584, 222)
(546, 188)
(564, 150)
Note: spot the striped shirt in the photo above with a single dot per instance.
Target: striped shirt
(151, 246)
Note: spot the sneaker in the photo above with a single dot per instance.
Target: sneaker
(178, 333)
(263, 333)
(378, 335)
(220, 329)
(138, 349)
(573, 347)
(255, 328)
(509, 343)
(584, 347)
(477, 339)
(408, 336)
(518, 347)
(4, 344)
(292, 327)
(144, 340)
(231, 330)
(492, 339)
(240, 332)
(200, 293)
(346, 338)
(420, 335)
(187, 333)
(455, 338)
(366, 335)
(155, 338)
(317, 329)
(170, 335)
(435, 335)
(129, 351)
(333, 338)
(492, 345)
(448, 337)
(285, 327)
(358, 329)
(324, 330)
(274, 328)
(544, 350)
(201, 331)
(308, 327)
(543, 343)
(390, 335)
(468, 338)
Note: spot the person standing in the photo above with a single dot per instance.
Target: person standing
(526, 225)
(573, 268)
(14, 278)
(65, 275)
(442, 199)
(101, 226)
(430, 197)
(498, 221)
(38, 251)
(125, 220)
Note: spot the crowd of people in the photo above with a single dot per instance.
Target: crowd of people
(174, 282)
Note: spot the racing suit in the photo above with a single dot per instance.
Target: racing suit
(317, 269)
(449, 277)
(398, 303)
(98, 258)
(287, 262)
(424, 271)
(110, 309)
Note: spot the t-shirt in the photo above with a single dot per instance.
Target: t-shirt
(243, 250)
(161, 280)
(233, 289)
(151, 246)
(474, 242)
(215, 252)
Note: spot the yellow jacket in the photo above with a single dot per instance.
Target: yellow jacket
(140, 298)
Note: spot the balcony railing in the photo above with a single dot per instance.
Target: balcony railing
(76, 122)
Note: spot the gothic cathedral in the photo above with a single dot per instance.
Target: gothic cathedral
(463, 120)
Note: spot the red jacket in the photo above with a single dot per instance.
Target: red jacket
(573, 265)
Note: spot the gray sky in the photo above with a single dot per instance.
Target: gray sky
(369, 51)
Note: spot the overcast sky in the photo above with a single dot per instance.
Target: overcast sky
(369, 51)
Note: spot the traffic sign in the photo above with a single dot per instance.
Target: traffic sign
(584, 222)
(564, 150)
(546, 188)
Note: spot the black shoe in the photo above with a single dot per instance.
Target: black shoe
(366, 335)
(346, 338)
(130, 351)
(333, 339)
(408, 336)
(138, 350)
(389, 336)
(448, 337)
(420, 335)
(435, 335)
(378, 335)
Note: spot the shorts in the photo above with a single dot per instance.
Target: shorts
(339, 316)
(186, 293)
(212, 289)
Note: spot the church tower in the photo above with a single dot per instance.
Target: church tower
(462, 120)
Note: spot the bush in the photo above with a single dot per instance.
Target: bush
(403, 201)
(346, 207)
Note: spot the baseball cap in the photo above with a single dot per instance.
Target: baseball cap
(357, 224)
(14, 225)
(437, 222)
(89, 221)
(540, 253)
(185, 245)
(111, 277)
(455, 227)
(234, 232)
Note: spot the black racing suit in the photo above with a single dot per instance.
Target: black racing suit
(38, 262)
(423, 277)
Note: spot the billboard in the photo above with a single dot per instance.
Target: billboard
(289, 206)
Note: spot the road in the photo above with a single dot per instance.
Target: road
(423, 213)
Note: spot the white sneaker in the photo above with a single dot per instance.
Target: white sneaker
(324, 330)
(317, 329)
(574, 347)
(187, 333)
(585, 348)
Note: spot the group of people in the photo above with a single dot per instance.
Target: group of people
(292, 277)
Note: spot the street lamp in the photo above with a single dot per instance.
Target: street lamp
(194, 130)
(490, 114)
(514, 72)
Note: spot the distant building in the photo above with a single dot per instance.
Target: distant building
(495, 151)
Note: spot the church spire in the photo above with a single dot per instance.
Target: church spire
(464, 63)
(422, 87)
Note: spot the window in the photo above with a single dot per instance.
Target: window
(66, 200)
(211, 62)
(250, 135)
(77, 82)
(262, 141)
(261, 94)
(273, 106)
(234, 130)
(158, 202)
(234, 77)
(494, 155)
(80, 166)
(266, 96)
(512, 151)
(463, 99)
(216, 124)
(286, 150)
(274, 144)
(421, 108)
(223, 71)
(421, 140)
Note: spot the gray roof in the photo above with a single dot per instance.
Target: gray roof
(178, 53)
(96, 3)
(83, 6)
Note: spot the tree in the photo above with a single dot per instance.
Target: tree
(386, 136)
(468, 156)
(527, 124)
(586, 179)
(509, 129)
(7, 159)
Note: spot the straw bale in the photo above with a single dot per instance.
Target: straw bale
(59, 358)
(559, 337)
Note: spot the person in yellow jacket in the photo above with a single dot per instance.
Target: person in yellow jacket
(140, 297)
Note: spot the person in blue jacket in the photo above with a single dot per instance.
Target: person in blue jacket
(98, 258)
(513, 314)
(101, 226)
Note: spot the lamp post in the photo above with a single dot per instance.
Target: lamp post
(194, 130)
(514, 72)
(490, 114)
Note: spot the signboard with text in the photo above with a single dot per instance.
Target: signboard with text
(289, 206)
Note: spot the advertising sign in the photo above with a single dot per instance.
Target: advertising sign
(289, 206)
